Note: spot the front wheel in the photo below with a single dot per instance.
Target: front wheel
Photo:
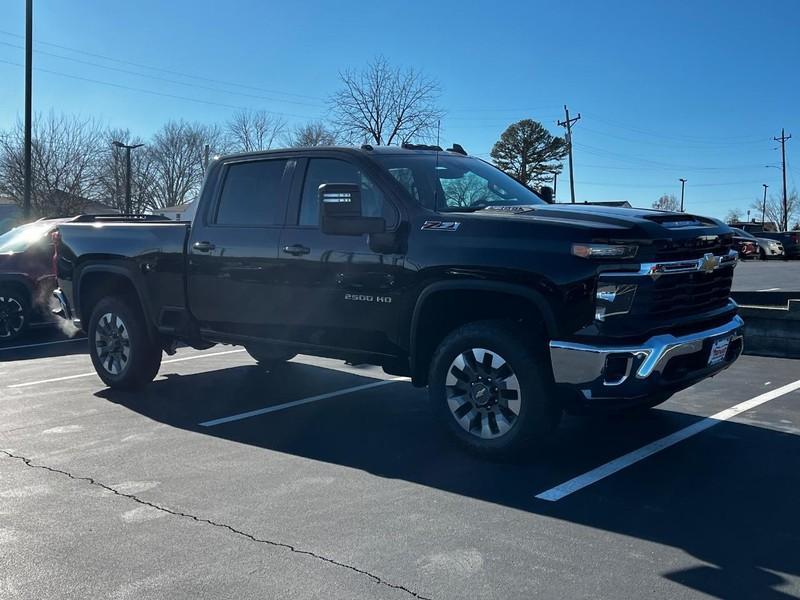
(123, 353)
(493, 390)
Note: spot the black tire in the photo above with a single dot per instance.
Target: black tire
(15, 311)
(511, 434)
(268, 357)
(762, 254)
(134, 359)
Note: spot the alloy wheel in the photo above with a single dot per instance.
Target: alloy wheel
(12, 316)
(483, 393)
(112, 343)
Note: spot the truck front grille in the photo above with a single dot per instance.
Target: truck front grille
(678, 295)
(695, 247)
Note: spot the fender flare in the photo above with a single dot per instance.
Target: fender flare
(527, 293)
(19, 279)
(111, 269)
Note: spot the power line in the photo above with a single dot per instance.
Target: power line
(169, 71)
(165, 79)
(155, 93)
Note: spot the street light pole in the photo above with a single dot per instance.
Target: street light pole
(26, 198)
(764, 206)
(683, 183)
(128, 148)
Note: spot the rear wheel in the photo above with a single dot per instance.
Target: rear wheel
(762, 254)
(123, 354)
(14, 314)
(269, 357)
(493, 390)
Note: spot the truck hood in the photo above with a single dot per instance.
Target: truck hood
(590, 215)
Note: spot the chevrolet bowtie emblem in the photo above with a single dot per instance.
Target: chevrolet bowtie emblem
(709, 262)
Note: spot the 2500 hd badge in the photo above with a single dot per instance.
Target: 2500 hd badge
(368, 298)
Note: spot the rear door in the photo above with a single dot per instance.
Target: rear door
(339, 292)
(233, 250)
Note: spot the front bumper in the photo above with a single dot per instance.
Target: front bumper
(627, 375)
(64, 311)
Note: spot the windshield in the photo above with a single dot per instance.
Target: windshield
(452, 184)
(20, 238)
(743, 233)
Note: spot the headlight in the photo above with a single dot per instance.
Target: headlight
(613, 299)
(604, 250)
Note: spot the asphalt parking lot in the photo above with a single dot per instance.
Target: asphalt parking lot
(323, 480)
(767, 276)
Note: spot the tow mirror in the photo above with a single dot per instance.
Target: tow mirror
(340, 211)
(546, 192)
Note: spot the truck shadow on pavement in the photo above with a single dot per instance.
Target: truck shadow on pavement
(727, 497)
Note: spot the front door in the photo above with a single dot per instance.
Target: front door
(340, 293)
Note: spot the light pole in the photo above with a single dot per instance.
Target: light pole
(128, 149)
(683, 183)
(26, 198)
(764, 206)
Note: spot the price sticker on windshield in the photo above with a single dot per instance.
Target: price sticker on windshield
(718, 351)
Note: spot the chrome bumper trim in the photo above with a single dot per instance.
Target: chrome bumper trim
(583, 364)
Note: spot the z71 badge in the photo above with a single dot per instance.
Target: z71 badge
(441, 225)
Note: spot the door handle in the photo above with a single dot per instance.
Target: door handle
(203, 246)
(296, 249)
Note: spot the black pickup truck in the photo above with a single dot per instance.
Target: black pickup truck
(430, 263)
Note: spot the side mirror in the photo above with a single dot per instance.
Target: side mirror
(340, 211)
(546, 192)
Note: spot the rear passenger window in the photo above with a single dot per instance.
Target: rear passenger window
(251, 194)
(331, 170)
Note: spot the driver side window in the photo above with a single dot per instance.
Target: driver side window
(331, 170)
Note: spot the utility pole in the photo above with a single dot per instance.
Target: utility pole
(206, 153)
(555, 184)
(26, 199)
(128, 148)
(567, 124)
(764, 206)
(783, 139)
(683, 184)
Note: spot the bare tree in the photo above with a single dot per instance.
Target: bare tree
(177, 157)
(667, 202)
(65, 153)
(734, 216)
(250, 130)
(315, 133)
(382, 104)
(774, 209)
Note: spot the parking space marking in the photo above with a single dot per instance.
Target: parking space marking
(603, 471)
(310, 399)
(165, 362)
(79, 339)
(769, 290)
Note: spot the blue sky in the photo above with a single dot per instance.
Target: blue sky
(665, 89)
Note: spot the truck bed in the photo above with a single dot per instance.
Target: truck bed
(151, 254)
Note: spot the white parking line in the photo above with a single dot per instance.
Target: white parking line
(80, 339)
(595, 475)
(277, 407)
(165, 362)
(769, 290)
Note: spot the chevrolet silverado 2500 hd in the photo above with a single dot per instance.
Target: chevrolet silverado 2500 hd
(430, 263)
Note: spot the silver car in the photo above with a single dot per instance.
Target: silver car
(766, 248)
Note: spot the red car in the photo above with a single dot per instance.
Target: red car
(746, 247)
(26, 276)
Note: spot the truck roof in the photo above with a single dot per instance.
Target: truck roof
(364, 149)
